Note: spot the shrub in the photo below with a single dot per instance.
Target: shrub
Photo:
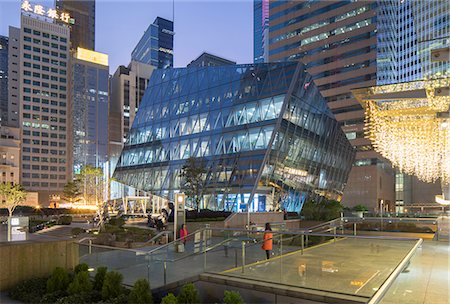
(65, 220)
(100, 278)
(76, 299)
(81, 283)
(169, 299)
(58, 281)
(77, 231)
(188, 294)
(81, 267)
(116, 221)
(53, 297)
(112, 285)
(141, 293)
(232, 297)
(29, 291)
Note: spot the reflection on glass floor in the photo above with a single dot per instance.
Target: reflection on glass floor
(348, 266)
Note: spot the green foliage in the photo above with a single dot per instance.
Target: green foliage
(81, 283)
(169, 299)
(12, 196)
(29, 291)
(58, 281)
(65, 220)
(192, 175)
(232, 297)
(72, 192)
(81, 267)
(112, 285)
(323, 211)
(360, 208)
(116, 221)
(188, 294)
(77, 231)
(78, 298)
(100, 278)
(141, 293)
(53, 297)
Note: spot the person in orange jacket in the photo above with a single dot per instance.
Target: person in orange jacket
(267, 240)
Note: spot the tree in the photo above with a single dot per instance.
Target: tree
(72, 192)
(188, 294)
(92, 187)
(11, 196)
(192, 177)
(141, 293)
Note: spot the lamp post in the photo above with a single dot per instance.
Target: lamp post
(179, 216)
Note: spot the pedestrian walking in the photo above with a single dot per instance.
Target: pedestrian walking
(267, 240)
(183, 234)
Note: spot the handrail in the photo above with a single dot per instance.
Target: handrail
(174, 241)
(377, 297)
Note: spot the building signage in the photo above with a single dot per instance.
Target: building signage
(51, 13)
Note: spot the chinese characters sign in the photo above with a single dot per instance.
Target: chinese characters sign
(49, 13)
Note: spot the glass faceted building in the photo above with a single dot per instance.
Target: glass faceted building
(263, 132)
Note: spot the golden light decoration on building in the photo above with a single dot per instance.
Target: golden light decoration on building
(408, 124)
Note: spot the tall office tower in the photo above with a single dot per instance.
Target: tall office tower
(260, 31)
(206, 59)
(43, 95)
(156, 45)
(14, 77)
(89, 109)
(82, 32)
(337, 42)
(3, 80)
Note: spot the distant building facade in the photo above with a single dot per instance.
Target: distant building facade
(89, 109)
(14, 85)
(206, 60)
(156, 45)
(263, 132)
(3, 80)
(82, 31)
(260, 31)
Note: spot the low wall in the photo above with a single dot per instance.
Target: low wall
(20, 261)
(239, 220)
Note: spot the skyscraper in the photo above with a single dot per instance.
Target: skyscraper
(156, 45)
(89, 109)
(82, 32)
(43, 96)
(337, 42)
(14, 84)
(260, 31)
(3, 80)
(206, 59)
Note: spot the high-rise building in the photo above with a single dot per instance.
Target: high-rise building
(44, 104)
(156, 45)
(89, 109)
(337, 42)
(206, 59)
(82, 31)
(14, 69)
(260, 31)
(3, 80)
(263, 132)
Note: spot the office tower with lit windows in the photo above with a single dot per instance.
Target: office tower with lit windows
(156, 45)
(89, 109)
(260, 31)
(44, 104)
(337, 42)
(3, 80)
(13, 77)
(82, 31)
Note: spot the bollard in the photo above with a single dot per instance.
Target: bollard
(334, 234)
(165, 272)
(235, 258)
(243, 256)
(354, 228)
(303, 242)
(90, 246)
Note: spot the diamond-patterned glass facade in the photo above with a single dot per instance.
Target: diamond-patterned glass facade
(263, 132)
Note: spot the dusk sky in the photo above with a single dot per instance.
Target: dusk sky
(220, 27)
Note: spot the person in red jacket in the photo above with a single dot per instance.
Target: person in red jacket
(183, 233)
(267, 240)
